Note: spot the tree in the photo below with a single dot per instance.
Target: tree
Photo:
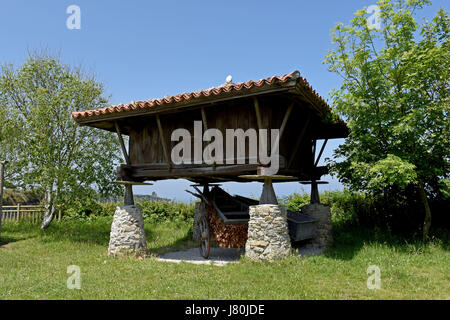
(47, 151)
(395, 97)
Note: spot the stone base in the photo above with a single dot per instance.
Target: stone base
(268, 235)
(324, 234)
(127, 232)
(200, 211)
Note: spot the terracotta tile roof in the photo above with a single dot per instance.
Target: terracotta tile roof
(292, 79)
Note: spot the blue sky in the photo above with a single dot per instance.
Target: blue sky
(149, 49)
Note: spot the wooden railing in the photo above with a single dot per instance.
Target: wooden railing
(20, 212)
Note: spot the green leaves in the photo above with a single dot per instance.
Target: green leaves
(46, 148)
(391, 171)
(394, 96)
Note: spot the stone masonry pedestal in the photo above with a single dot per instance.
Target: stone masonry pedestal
(324, 234)
(268, 235)
(127, 232)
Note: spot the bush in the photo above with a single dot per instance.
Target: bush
(162, 211)
(83, 209)
(153, 211)
(296, 201)
(398, 212)
(344, 205)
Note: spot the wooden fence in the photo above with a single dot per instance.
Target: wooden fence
(24, 212)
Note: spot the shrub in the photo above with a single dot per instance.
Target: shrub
(398, 212)
(162, 211)
(153, 211)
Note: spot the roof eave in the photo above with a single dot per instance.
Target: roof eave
(174, 107)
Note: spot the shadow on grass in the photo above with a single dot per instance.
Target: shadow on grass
(5, 241)
(95, 231)
(179, 244)
(161, 238)
(14, 232)
(348, 242)
(168, 238)
(164, 238)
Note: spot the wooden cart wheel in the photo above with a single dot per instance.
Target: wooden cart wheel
(205, 243)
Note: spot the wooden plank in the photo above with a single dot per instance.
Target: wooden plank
(314, 144)
(283, 124)
(122, 143)
(163, 141)
(193, 171)
(37, 207)
(299, 141)
(258, 113)
(205, 125)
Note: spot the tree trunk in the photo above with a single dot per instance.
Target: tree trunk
(427, 221)
(49, 210)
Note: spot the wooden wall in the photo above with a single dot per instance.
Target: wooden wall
(145, 145)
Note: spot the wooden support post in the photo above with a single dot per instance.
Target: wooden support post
(314, 192)
(320, 152)
(258, 113)
(314, 150)
(283, 125)
(18, 212)
(163, 141)
(205, 124)
(122, 144)
(268, 193)
(286, 118)
(299, 141)
(128, 198)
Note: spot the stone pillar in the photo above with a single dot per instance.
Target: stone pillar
(324, 233)
(200, 211)
(127, 232)
(268, 235)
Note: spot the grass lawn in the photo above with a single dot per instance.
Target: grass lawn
(33, 265)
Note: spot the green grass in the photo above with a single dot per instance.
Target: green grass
(34, 264)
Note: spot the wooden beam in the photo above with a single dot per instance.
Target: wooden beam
(286, 118)
(314, 148)
(313, 151)
(163, 141)
(161, 166)
(299, 141)
(258, 113)
(151, 174)
(122, 144)
(320, 152)
(205, 124)
(311, 102)
(283, 125)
